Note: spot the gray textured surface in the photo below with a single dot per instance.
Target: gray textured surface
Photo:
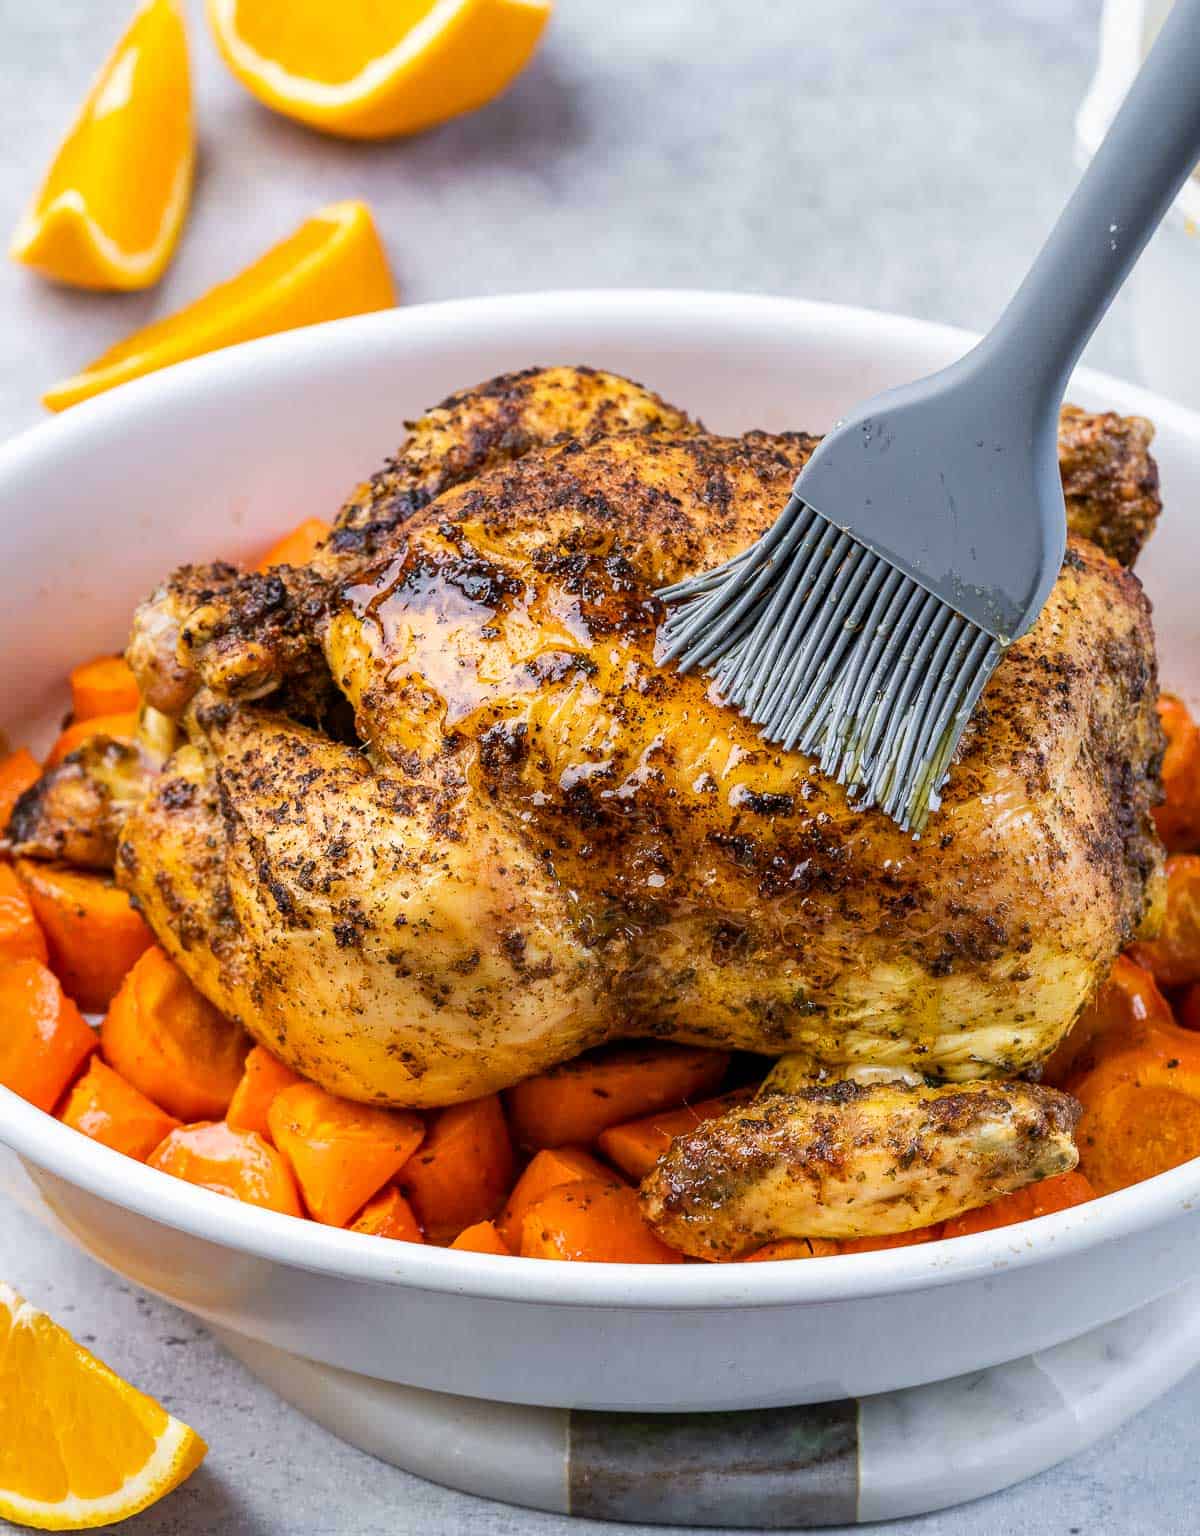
(903, 156)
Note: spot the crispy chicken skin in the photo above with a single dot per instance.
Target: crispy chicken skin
(525, 837)
(76, 810)
(846, 1159)
(433, 959)
(243, 633)
(246, 634)
(1110, 481)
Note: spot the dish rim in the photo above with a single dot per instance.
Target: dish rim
(307, 1245)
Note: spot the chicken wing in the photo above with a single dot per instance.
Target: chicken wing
(847, 1160)
(76, 810)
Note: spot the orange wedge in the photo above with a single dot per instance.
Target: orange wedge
(369, 71)
(79, 1447)
(111, 207)
(333, 265)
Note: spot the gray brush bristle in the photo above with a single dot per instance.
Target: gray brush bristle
(839, 655)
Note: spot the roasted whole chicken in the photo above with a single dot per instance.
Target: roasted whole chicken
(438, 819)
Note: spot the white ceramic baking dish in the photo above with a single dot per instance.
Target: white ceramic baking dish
(218, 456)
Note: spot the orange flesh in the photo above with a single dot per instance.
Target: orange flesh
(332, 266)
(316, 43)
(95, 154)
(216, 312)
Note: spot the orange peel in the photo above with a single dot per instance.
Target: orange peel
(362, 70)
(333, 265)
(110, 209)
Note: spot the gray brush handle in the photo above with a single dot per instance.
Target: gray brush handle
(1147, 155)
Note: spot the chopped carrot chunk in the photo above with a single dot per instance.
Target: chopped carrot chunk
(463, 1169)
(263, 1077)
(18, 772)
(342, 1153)
(21, 936)
(389, 1215)
(1140, 1127)
(239, 1164)
(1059, 1193)
(1141, 1110)
(105, 686)
(169, 1041)
(594, 1221)
(574, 1102)
(297, 547)
(1174, 957)
(481, 1238)
(550, 1167)
(93, 934)
(44, 1039)
(122, 727)
(793, 1248)
(1178, 818)
(105, 1107)
(637, 1145)
(1187, 1008)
